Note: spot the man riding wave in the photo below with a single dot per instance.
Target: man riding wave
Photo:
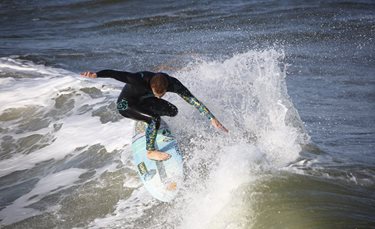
(141, 100)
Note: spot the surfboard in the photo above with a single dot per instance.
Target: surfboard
(162, 179)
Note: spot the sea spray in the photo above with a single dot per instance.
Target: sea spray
(248, 94)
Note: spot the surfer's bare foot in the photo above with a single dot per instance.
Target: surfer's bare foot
(157, 155)
(172, 186)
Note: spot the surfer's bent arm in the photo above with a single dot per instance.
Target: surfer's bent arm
(125, 77)
(186, 95)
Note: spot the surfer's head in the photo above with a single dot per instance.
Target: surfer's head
(159, 84)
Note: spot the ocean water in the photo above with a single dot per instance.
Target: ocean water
(293, 81)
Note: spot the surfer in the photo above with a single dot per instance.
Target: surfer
(140, 100)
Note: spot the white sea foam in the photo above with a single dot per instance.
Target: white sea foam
(127, 211)
(48, 185)
(76, 129)
(76, 132)
(24, 66)
(234, 169)
(35, 91)
(248, 94)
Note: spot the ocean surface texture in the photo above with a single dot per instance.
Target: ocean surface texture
(293, 81)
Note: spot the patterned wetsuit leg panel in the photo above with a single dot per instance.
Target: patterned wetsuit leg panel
(151, 132)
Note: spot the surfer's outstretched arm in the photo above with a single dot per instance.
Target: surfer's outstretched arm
(185, 94)
(125, 77)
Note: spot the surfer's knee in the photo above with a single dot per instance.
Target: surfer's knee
(127, 114)
(173, 111)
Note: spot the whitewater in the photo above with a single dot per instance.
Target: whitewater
(67, 144)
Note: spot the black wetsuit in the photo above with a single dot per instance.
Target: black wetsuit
(138, 102)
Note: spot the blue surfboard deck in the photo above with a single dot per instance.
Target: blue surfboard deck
(162, 179)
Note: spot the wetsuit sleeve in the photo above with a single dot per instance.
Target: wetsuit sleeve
(181, 90)
(125, 77)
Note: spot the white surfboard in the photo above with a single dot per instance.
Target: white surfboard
(162, 179)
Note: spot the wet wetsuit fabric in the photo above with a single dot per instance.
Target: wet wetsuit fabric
(138, 102)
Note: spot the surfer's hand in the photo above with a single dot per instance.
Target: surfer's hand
(88, 74)
(218, 125)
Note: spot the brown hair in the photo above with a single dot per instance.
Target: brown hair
(159, 83)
